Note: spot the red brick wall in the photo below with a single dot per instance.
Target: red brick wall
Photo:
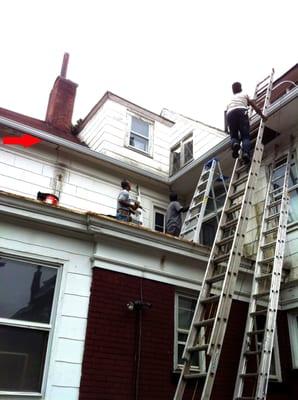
(61, 103)
(110, 358)
(109, 366)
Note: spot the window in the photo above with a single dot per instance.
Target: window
(184, 310)
(139, 134)
(181, 154)
(159, 220)
(293, 188)
(26, 303)
(293, 330)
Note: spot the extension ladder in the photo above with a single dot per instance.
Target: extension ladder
(254, 366)
(210, 318)
(204, 191)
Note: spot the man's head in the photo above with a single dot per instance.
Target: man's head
(236, 87)
(126, 185)
(173, 196)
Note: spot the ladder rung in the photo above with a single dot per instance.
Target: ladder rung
(261, 294)
(229, 224)
(202, 183)
(216, 278)
(263, 276)
(205, 322)
(245, 398)
(266, 261)
(198, 347)
(266, 245)
(274, 203)
(186, 231)
(277, 178)
(241, 169)
(191, 218)
(258, 312)
(252, 352)
(273, 216)
(237, 194)
(241, 180)
(194, 376)
(249, 375)
(271, 230)
(233, 209)
(225, 240)
(211, 299)
(219, 259)
(256, 332)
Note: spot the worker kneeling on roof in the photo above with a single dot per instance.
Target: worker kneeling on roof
(125, 205)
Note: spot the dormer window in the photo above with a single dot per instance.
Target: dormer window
(182, 153)
(140, 134)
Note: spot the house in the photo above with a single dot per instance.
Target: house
(94, 308)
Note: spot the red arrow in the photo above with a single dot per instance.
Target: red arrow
(24, 140)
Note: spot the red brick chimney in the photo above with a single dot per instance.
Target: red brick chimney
(61, 101)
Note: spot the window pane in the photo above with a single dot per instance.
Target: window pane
(22, 354)
(293, 210)
(159, 222)
(138, 142)
(208, 232)
(188, 151)
(26, 291)
(140, 126)
(175, 157)
(185, 312)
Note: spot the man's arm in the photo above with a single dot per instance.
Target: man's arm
(256, 108)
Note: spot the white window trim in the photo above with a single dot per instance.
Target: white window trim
(150, 123)
(202, 360)
(293, 332)
(35, 325)
(160, 210)
(277, 377)
(180, 143)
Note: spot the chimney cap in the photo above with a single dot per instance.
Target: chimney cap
(64, 65)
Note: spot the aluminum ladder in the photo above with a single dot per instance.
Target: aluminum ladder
(204, 191)
(211, 315)
(255, 361)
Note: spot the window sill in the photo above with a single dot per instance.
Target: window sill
(20, 394)
(144, 153)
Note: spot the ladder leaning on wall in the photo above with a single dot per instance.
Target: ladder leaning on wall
(254, 366)
(210, 318)
(211, 173)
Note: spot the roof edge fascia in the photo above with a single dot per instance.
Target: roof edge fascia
(48, 137)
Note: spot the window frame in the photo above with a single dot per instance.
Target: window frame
(47, 327)
(162, 211)
(202, 361)
(293, 333)
(182, 163)
(150, 123)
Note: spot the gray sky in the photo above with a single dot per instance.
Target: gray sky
(182, 55)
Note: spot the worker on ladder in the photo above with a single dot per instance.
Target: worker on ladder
(238, 121)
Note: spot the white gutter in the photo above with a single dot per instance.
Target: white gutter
(48, 137)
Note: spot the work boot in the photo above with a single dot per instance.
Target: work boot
(246, 158)
(235, 150)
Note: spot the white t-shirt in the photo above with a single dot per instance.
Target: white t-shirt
(239, 100)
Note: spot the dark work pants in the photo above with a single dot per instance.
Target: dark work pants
(238, 124)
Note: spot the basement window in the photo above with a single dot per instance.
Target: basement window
(26, 319)
(181, 153)
(184, 310)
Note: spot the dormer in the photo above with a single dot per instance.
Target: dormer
(125, 131)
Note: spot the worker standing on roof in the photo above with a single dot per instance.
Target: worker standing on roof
(238, 121)
(125, 206)
(173, 215)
